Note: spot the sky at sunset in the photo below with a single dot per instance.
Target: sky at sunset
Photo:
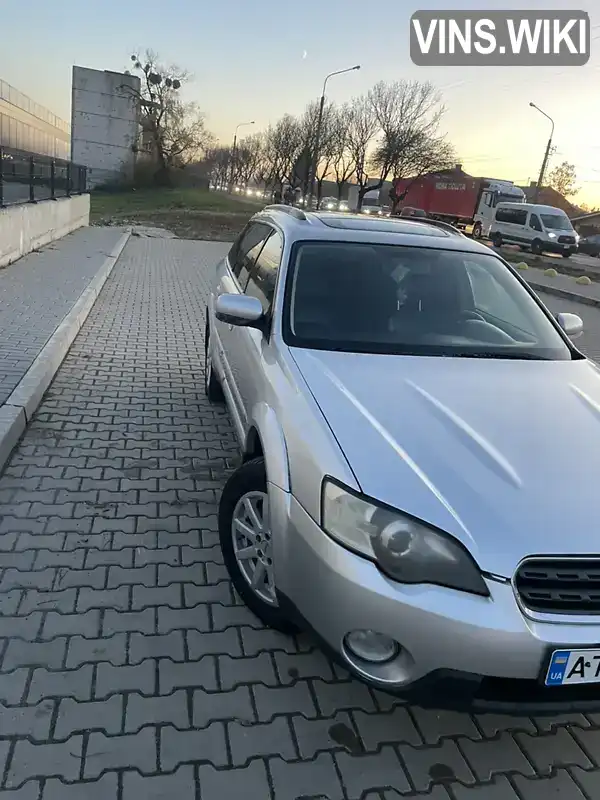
(258, 60)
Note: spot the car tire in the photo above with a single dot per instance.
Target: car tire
(247, 489)
(567, 253)
(477, 231)
(536, 247)
(497, 240)
(212, 385)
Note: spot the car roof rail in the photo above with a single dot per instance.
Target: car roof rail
(445, 226)
(291, 210)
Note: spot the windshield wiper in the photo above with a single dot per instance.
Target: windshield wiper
(507, 356)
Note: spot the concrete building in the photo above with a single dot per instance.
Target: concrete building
(26, 125)
(105, 124)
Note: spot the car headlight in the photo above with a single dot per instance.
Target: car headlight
(403, 548)
(552, 236)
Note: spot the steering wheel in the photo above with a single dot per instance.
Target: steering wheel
(466, 315)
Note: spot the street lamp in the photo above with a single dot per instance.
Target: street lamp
(546, 154)
(233, 149)
(315, 158)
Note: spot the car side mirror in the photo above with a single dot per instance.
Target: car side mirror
(571, 324)
(239, 309)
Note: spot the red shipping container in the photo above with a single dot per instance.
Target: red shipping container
(452, 195)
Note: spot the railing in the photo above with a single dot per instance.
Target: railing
(29, 177)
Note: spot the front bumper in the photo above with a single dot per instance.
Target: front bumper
(558, 247)
(457, 650)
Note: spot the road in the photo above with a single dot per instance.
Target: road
(128, 667)
(557, 260)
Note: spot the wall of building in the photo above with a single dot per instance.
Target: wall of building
(105, 127)
(26, 125)
(26, 227)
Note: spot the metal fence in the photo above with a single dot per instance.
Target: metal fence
(29, 177)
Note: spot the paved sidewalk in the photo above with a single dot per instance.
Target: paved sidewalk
(128, 670)
(39, 290)
(563, 286)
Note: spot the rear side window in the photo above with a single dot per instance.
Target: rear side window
(512, 216)
(244, 252)
(263, 277)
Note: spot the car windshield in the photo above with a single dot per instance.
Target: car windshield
(556, 222)
(378, 298)
(508, 198)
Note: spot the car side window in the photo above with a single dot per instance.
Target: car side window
(535, 223)
(512, 216)
(243, 253)
(263, 277)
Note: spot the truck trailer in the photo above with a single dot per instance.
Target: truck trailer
(456, 197)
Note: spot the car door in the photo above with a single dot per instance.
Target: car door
(233, 280)
(252, 346)
(536, 231)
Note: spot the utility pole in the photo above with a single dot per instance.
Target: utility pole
(540, 181)
(317, 145)
(234, 151)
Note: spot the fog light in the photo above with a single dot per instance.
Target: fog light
(372, 646)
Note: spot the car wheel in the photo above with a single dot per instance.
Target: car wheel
(477, 230)
(497, 240)
(245, 536)
(212, 385)
(567, 253)
(536, 247)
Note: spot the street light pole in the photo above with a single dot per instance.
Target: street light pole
(233, 149)
(315, 155)
(546, 154)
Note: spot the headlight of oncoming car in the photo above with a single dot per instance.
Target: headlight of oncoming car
(403, 548)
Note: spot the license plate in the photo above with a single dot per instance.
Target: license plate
(568, 667)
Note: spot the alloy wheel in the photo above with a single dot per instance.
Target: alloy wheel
(251, 535)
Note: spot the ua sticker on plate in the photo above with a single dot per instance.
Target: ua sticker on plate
(568, 667)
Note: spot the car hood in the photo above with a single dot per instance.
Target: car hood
(504, 455)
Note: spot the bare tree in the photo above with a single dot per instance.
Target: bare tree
(185, 137)
(283, 145)
(248, 156)
(217, 161)
(408, 114)
(308, 126)
(176, 130)
(342, 163)
(363, 127)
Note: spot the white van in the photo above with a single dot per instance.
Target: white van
(535, 227)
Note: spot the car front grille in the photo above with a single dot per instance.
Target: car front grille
(566, 240)
(560, 586)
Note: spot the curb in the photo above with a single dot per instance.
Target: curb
(568, 295)
(27, 395)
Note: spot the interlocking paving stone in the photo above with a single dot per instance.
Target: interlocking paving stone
(144, 675)
(77, 717)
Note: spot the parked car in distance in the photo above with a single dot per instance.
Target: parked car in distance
(590, 245)
(534, 227)
(420, 448)
(329, 204)
(409, 211)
